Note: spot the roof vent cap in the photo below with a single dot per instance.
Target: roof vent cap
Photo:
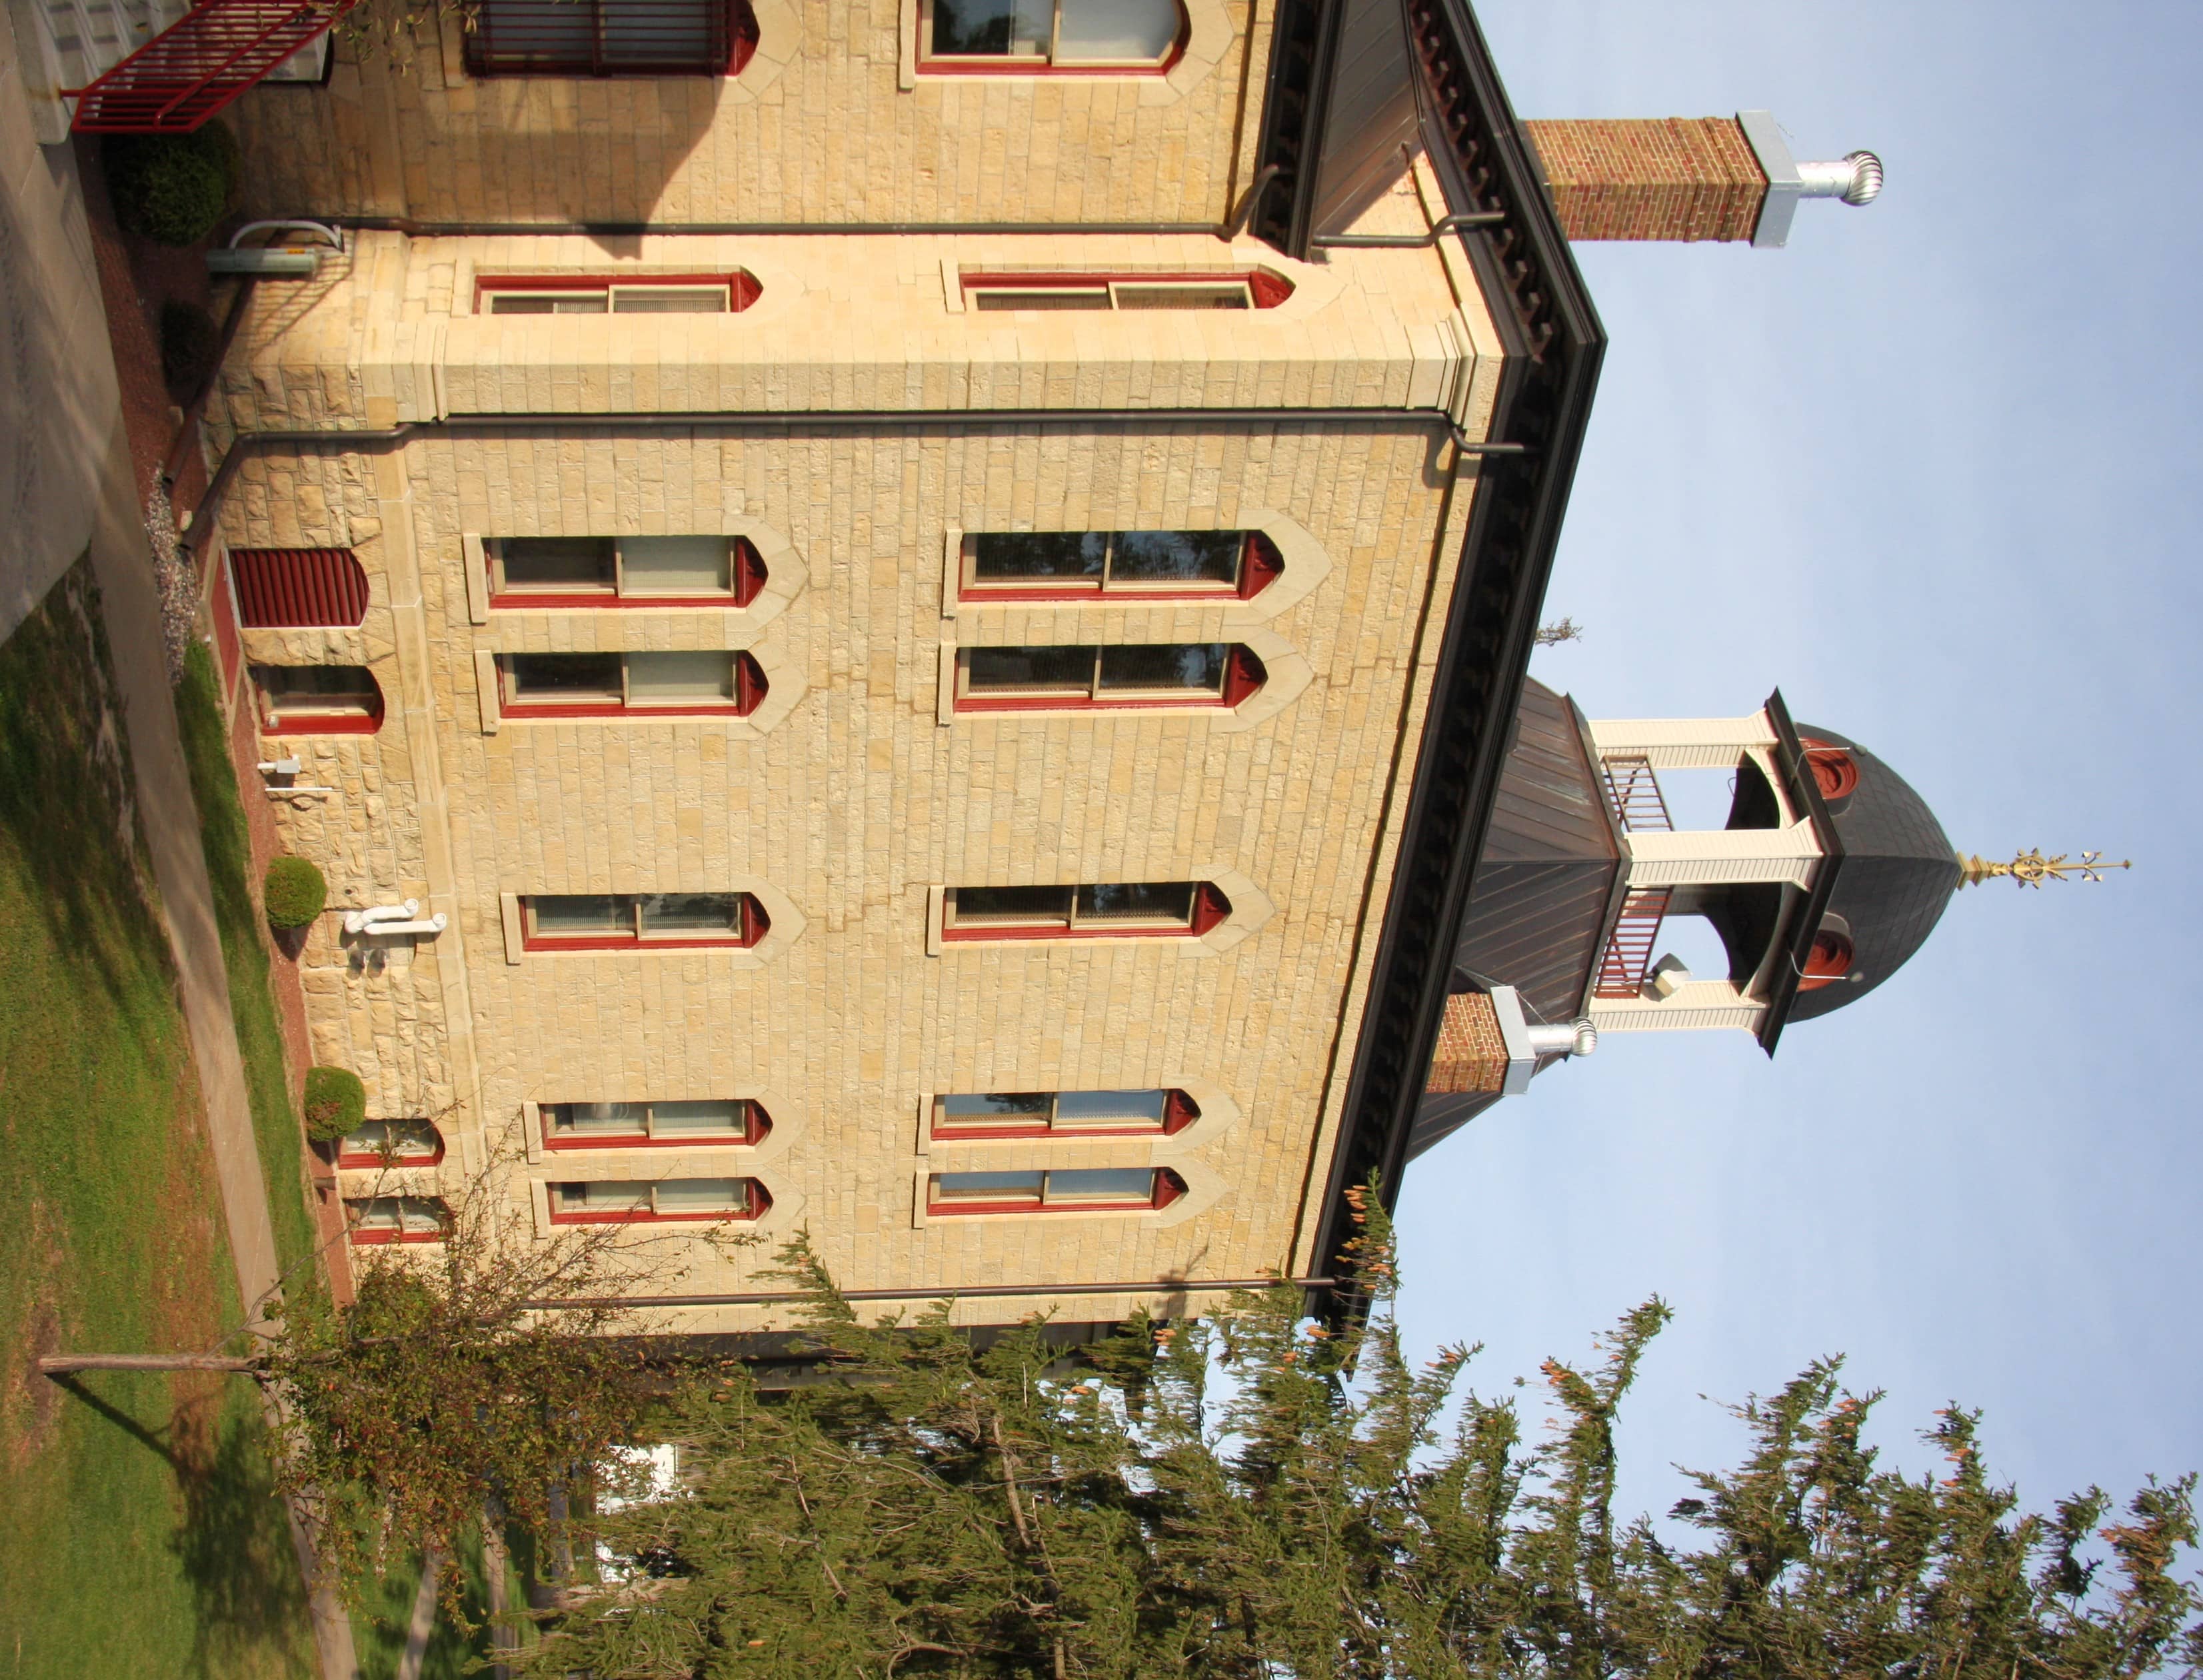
(1855, 179)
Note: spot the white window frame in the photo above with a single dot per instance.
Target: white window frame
(1044, 62)
(972, 587)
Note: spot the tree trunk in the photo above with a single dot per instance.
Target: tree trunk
(58, 1365)
(423, 1624)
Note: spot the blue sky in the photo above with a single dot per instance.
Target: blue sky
(1932, 469)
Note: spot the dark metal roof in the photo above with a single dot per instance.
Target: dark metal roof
(1899, 871)
(1538, 907)
(1553, 344)
(1439, 1117)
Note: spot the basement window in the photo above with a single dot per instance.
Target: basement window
(318, 699)
(374, 1219)
(392, 1143)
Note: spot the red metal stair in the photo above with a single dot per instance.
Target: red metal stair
(190, 71)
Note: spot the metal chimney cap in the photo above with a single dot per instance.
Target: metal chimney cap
(1866, 178)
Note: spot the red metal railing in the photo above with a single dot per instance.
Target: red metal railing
(190, 71)
(1634, 792)
(1628, 956)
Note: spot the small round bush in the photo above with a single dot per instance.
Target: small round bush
(191, 344)
(293, 892)
(336, 1104)
(172, 188)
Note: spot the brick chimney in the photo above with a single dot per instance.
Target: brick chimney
(1687, 178)
(1472, 1055)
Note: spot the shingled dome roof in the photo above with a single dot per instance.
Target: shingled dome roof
(1899, 871)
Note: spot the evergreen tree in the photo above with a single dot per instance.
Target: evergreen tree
(930, 1506)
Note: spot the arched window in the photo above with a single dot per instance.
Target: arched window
(1035, 37)
(610, 38)
(1835, 772)
(1830, 961)
(1108, 677)
(1074, 1190)
(318, 699)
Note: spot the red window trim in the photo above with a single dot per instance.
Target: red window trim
(747, 569)
(755, 925)
(299, 589)
(368, 722)
(750, 690)
(361, 1237)
(1169, 1187)
(1260, 566)
(1210, 909)
(760, 1204)
(1265, 289)
(758, 1124)
(1004, 64)
(354, 1160)
(742, 288)
(1244, 673)
(1179, 1111)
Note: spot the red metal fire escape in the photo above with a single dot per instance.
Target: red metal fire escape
(190, 71)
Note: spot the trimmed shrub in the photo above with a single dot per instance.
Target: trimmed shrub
(293, 892)
(336, 1104)
(191, 344)
(172, 188)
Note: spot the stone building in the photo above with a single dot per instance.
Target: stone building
(906, 618)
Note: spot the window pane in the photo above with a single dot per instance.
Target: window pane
(608, 1195)
(703, 1196)
(995, 1108)
(1116, 30)
(670, 300)
(1094, 297)
(668, 677)
(562, 301)
(1225, 295)
(1177, 556)
(319, 687)
(675, 565)
(597, 1119)
(1031, 670)
(1192, 666)
(421, 1213)
(402, 1137)
(580, 913)
(992, 27)
(1021, 557)
(556, 562)
(1137, 900)
(660, 34)
(1109, 1108)
(565, 676)
(989, 1186)
(691, 912)
(1102, 1184)
(1010, 905)
(680, 1119)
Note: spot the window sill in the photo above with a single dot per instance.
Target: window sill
(536, 944)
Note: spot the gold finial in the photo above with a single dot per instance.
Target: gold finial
(2032, 869)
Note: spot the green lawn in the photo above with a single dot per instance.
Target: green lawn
(139, 1537)
(228, 845)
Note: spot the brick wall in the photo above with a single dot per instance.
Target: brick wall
(1669, 178)
(1471, 1056)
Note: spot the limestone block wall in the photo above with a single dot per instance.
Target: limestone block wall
(830, 122)
(860, 800)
